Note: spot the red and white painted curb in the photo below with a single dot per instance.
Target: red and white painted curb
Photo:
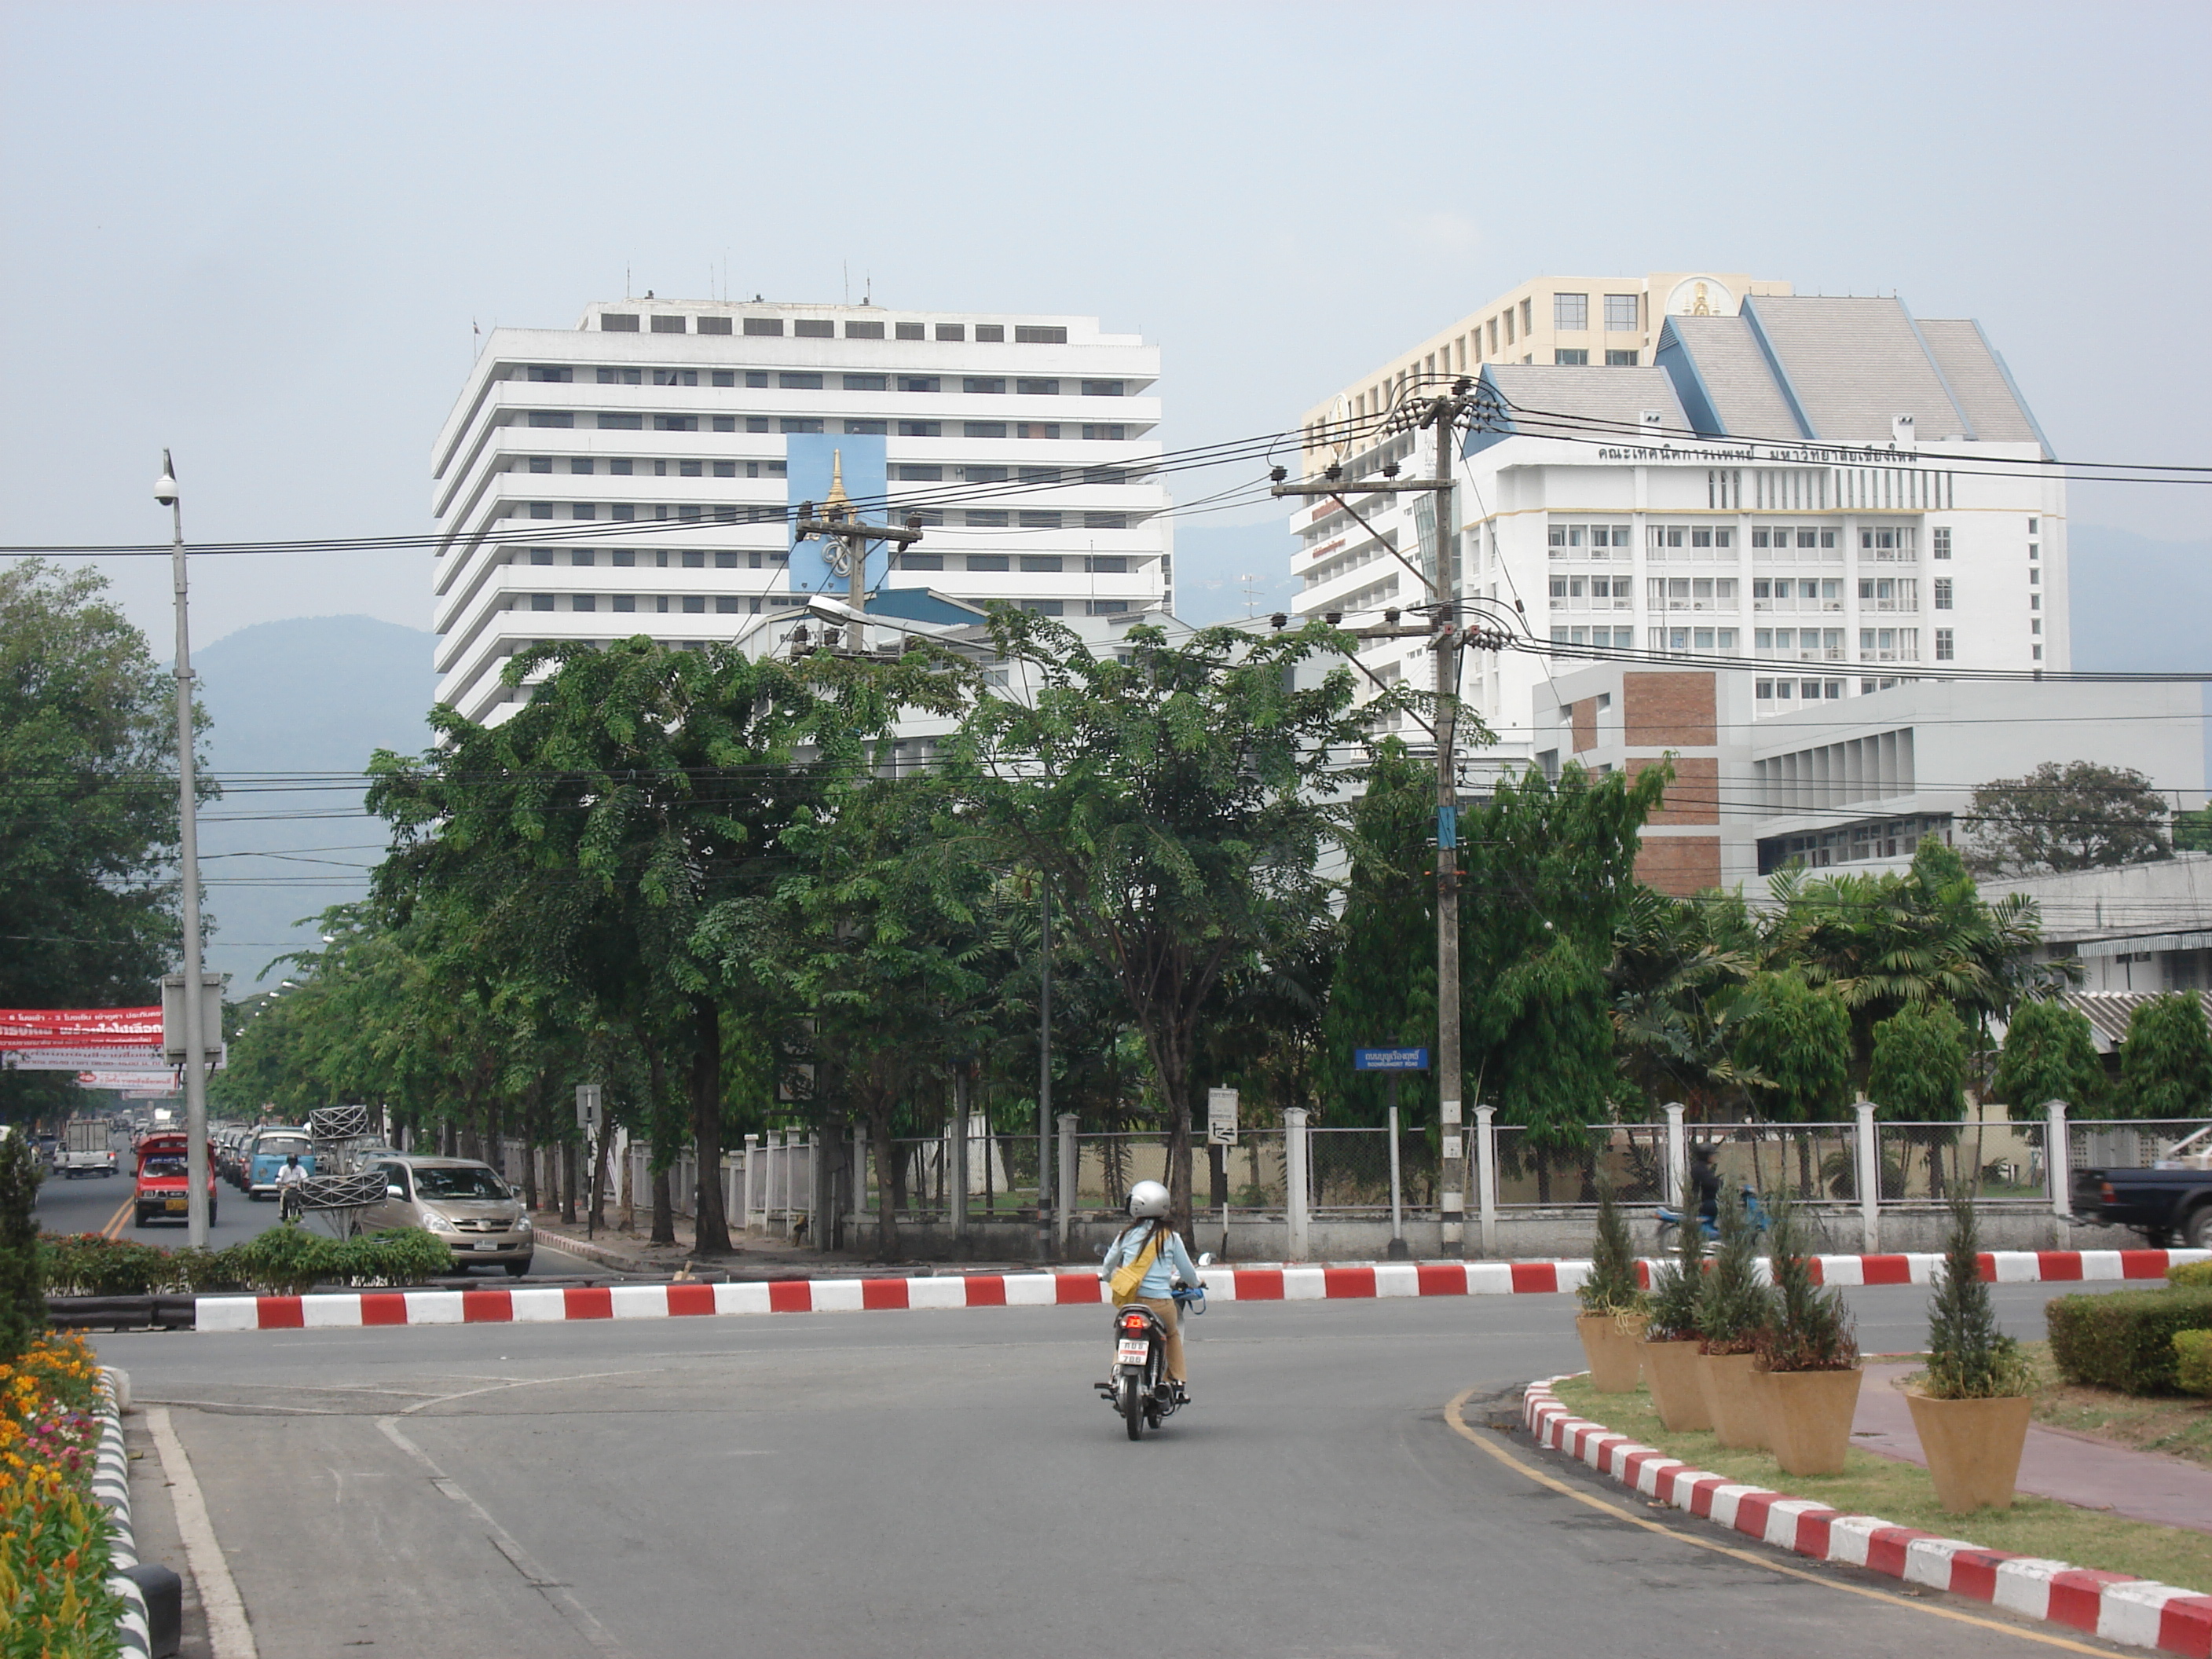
(2133, 1611)
(540, 1304)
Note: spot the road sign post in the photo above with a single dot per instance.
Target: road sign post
(1393, 1063)
(590, 1098)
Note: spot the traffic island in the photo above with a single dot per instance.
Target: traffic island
(2042, 1557)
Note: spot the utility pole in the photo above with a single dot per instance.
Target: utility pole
(1444, 414)
(839, 524)
(1044, 1072)
(188, 852)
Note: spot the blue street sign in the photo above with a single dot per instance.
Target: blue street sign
(1389, 1060)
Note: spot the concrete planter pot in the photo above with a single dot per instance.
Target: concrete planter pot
(1809, 1417)
(1973, 1446)
(1731, 1400)
(1613, 1344)
(1677, 1392)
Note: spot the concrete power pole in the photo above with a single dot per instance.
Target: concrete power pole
(841, 525)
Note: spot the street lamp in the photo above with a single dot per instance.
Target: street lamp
(195, 1148)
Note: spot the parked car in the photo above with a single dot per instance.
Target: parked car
(164, 1186)
(271, 1148)
(2169, 1203)
(464, 1203)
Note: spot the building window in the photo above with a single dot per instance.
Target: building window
(767, 327)
(583, 602)
(989, 563)
(1039, 334)
(1038, 429)
(1620, 359)
(1038, 475)
(550, 417)
(1576, 356)
(1105, 433)
(867, 383)
(541, 463)
(676, 376)
(715, 325)
(1944, 646)
(1940, 542)
(1942, 593)
(1045, 607)
(1037, 388)
(919, 383)
(799, 382)
(622, 513)
(621, 376)
(541, 509)
(864, 330)
(695, 604)
(1621, 313)
(726, 562)
(2031, 529)
(1104, 388)
(1528, 318)
(1110, 566)
(541, 555)
(921, 428)
(537, 374)
(797, 423)
(983, 429)
(625, 602)
(951, 332)
(725, 423)
(540, 601)
(756, 378)
(922, 561)
(622, 422)
(616, 322)
(984, 474)
(583, 510)
(983, 386)
(1106, 521)
(726, 468)
(808, 328)
(1038, 564)
(1570, 313)
(910, 331)
(2034, 575)
(668, 325)
(911, 474)
(726, 604)
(2035, 624)
(2036, 652)
(625, 556)
(581, 465)
(676, 423)
(866, 429)
(695, 560)
(985, 520)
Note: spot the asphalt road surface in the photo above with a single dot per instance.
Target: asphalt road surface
(92, 1204)
(946, 1484)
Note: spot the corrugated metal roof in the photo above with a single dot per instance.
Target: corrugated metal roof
(1617, 397)
(1855, 364)
(1745, 394)
(2108, 1012)
(1977, 382)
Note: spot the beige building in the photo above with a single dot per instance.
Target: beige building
(1592, 321)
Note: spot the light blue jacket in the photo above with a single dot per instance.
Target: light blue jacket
(1171, 1262)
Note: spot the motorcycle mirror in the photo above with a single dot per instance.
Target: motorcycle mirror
(1206, 1258)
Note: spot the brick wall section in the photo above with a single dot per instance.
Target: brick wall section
(1668, 710)
(1680, 865)
(1694, 795)
(1585, 719)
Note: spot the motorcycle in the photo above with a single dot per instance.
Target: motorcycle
(291, 1203)
(1137, 1387)
(1670, 1218)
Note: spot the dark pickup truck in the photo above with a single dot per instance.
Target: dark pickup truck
(2169, 1203)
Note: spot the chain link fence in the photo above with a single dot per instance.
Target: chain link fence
(2132, 1144)
(1994, 1161)
(1540, 1170)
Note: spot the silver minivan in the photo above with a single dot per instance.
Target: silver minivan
(463, 1202)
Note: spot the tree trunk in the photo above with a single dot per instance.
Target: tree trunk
(710, 1225)
(663, 1210)
(598, 1201)
(664, 1207)
(569, 1180)
(888, 1193)
(529, 1172)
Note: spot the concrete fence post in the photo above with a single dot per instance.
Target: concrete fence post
(1486, 1177)
(1064, 1211)
(1678, 1158)
(1397, 1187)
(1869, 1176)
(957, 1156)
(1296, 1210)
(2058, 1161)
(815, 1172)
(749, 1162)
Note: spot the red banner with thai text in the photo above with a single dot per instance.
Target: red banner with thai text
(26, 1029)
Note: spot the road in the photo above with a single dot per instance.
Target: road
(946, 1484)
(92, 1204)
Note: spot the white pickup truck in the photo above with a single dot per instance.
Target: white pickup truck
(88, 1148)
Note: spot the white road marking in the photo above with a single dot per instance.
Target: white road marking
(229, 1635)
(561, 1598)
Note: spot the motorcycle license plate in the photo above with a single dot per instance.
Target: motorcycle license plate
(177, 1203)
(1133, 1354)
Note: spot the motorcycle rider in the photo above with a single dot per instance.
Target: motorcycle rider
(1705, 1182)
(1169, 1263)
(290, 1180)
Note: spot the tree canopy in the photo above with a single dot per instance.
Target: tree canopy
(2048, 1054)
(2071, 815)
(2166, 1061)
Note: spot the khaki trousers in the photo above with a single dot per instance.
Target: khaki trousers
(1170, 1313)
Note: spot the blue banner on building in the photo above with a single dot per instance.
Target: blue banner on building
(821, 466)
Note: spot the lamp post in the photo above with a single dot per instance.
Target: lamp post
(196, 1165)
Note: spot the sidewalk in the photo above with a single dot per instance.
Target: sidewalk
(755, 1257)
(2077, 1470)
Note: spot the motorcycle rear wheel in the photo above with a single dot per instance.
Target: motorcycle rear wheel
(1132, 1405)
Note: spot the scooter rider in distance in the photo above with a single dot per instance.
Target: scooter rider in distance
(291, 1182)
(1166, 1264)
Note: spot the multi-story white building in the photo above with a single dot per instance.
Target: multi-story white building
(1828, 486)
(636, 474)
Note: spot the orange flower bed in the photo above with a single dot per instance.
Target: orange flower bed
(54, 1555)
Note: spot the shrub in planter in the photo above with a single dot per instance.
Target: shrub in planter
(2125, 1339)
(1970, 1406)
(1808, 1372)
(1733, 1309)
(404, 1255)
(1670, 1344)
(91, 1264)
(1613, 1311)
(2189, 1275)
(2192, 1361)
(288, 1260)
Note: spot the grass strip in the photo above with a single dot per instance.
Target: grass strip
(1902, 1494)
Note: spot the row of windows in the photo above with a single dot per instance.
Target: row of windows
(558, 420)
(624, 467)
(798, 381)
(975, 519)
(1885, 543)
(1044, 564)
(1578, 357)
(738, 604)
(1570, 313)
(911, 473)
(824, 328)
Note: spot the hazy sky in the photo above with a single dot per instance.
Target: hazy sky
(260, 235)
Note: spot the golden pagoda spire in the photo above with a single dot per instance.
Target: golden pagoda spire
(838, 504)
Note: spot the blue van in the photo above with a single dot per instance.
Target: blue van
(271, 1148)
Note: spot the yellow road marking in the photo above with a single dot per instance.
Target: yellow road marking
(114, 1227)
(1749, 1558)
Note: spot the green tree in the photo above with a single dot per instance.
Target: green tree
(1678, 977)
(1919, 1070)
(1383, 993)
(88, 818)
(22, 1290)
(2077, 815)
(2048, 1054)
(1969, 1357)
(2166, 1062)
(1173, 795)
(1550, 878)
(2192, 831)
(1795, 1046)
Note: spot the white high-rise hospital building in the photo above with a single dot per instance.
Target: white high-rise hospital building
(1708, 465)
(634, 474)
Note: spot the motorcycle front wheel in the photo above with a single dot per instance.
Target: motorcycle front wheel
(1133, 1405)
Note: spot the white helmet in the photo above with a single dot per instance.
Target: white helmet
(1147, 1198)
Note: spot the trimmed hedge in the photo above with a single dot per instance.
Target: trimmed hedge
(2189, 1275)
(2125, 1339)
(2192, 1361)
(287, 1259)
